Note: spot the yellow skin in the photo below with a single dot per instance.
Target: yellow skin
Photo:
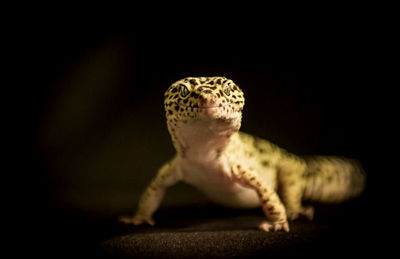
(236, 169)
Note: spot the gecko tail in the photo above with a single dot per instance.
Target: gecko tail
(333, 179)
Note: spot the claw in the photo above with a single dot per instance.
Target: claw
(277, 227)
(286, 227)
(125, 220)
(264, 226)
(150, 221)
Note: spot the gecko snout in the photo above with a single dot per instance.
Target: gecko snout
(207, 100)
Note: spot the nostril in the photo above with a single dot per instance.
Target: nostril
(208, 100)
(213, 99)
(203, 100)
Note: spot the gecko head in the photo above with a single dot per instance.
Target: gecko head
(204, 98)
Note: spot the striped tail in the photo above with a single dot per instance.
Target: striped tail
(333, 179)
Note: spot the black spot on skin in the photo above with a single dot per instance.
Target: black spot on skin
(218, 95)
(234, 96)
(274, 213)
(170, 112)
(219, 81)
(220, 105)
(221, 93)
(193, 82)
(200, 88)
(176, 108)
(185, 101)
(208, 91)
(174, 90)
(265, 163)
(195, 105)
(212, 83)
(193, 94)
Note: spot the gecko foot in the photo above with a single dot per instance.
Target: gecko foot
(136, 220)
(307, 212)
(274, 226)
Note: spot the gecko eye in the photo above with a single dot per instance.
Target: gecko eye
(227, 89)
(184, 91)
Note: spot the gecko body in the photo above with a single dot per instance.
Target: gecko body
(236, 169)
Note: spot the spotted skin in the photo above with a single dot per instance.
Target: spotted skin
(236, 169)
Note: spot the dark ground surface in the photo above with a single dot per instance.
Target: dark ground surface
(210, 231)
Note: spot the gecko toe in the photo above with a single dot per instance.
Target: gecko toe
(307, 212)
(272, 226)
(136, 221)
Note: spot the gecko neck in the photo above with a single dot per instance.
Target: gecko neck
(202, 140)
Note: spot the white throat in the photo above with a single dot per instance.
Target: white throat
(204, 139)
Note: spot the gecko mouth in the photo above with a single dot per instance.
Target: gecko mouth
(204, 106)
(209, 110)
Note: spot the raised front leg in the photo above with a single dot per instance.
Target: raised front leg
(273, 208)
(168, 175)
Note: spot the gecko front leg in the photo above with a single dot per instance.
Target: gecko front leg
(168, 175)
(272, 206)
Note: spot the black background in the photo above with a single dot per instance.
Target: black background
(93, 113)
